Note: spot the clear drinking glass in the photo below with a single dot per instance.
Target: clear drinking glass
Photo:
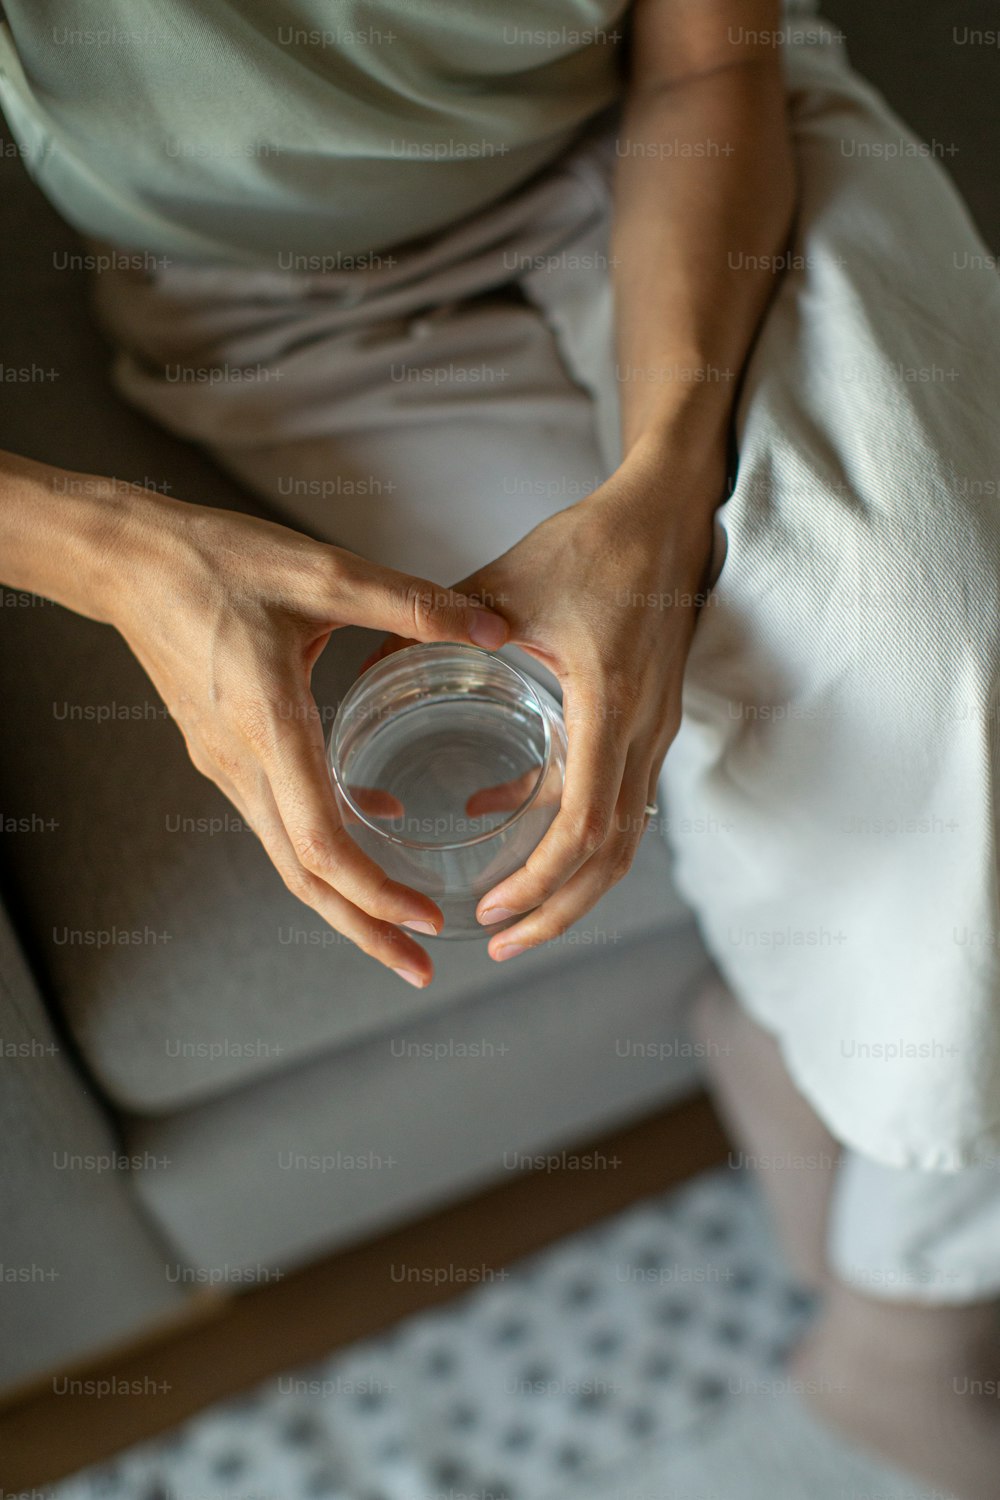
(448, 765)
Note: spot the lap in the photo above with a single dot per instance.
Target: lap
(842, 687)
(832, 784)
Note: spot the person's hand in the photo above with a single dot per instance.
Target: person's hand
(606, 594)
(228, 615)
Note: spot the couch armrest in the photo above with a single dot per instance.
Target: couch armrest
(79, 1267)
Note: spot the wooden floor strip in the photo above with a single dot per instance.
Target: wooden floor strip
(350, 1295)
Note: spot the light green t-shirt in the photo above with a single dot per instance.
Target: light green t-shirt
(263, 130)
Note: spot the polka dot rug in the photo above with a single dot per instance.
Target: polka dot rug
(635, 1343)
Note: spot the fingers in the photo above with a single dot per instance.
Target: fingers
(595, 763)
(604, 869)
(296, 769)
(504, 797)
(380, 940)
(382, 599)
(374, 803)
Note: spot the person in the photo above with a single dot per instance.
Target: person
(471, 266)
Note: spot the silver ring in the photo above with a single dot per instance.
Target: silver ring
(651, 809)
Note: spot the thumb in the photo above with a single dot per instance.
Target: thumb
(382, 599)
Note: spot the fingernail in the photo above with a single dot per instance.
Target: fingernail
(421, 926)
(493, 914)
(511, 951)
(411, 977)
(487, 630)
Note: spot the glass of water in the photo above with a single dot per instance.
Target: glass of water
(448, 765)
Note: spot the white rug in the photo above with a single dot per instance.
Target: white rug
(638, 1360)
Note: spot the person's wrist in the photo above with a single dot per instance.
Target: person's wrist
(64, 535)
(120, 540)
(669, 484)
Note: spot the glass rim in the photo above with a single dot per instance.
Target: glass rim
(440, 647)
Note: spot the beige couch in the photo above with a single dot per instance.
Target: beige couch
(199, 1079)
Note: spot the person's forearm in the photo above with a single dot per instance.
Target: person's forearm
(62, 533)
(704, 203)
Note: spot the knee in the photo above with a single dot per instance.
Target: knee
(909, 577)
(944, 621)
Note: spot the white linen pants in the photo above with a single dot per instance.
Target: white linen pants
(831, 797)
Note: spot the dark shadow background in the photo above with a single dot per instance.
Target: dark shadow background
(945, 90)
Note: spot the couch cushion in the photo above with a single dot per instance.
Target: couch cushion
(433, 1108)
(80, 1262)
